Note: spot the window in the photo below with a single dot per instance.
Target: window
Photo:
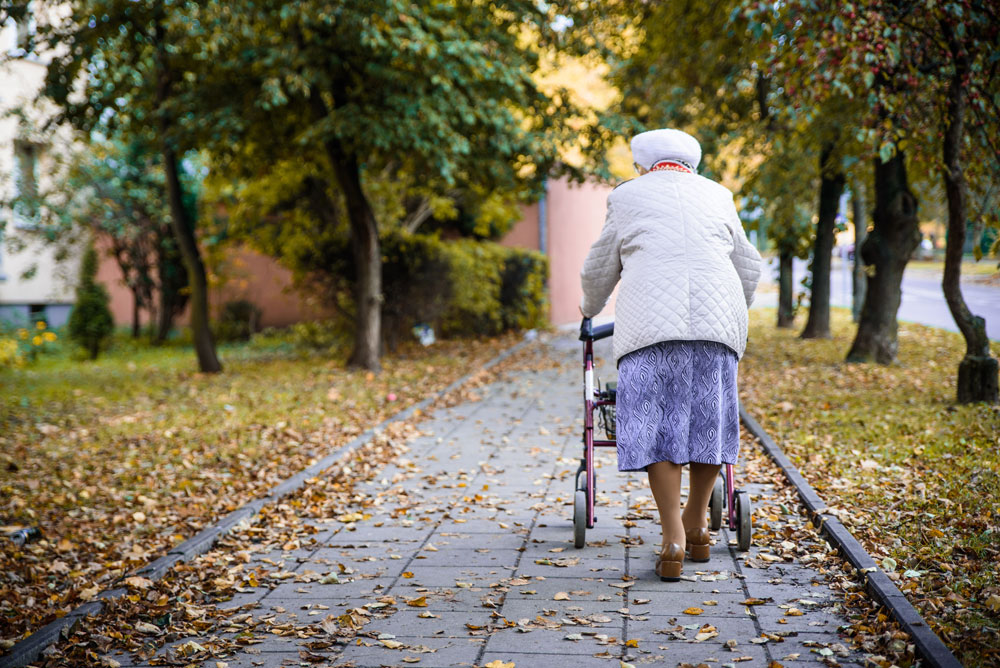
(25, 184)
(36, 312)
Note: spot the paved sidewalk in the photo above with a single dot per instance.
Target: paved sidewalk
(467, 559)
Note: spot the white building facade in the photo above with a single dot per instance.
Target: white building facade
(35, 284)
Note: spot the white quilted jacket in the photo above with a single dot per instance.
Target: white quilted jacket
(688, 271)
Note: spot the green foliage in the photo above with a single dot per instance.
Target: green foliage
(476, 273)
(523, 295)
(416, 281)
(90, 323)
(495, 288)
(321, 335)
(238, 321)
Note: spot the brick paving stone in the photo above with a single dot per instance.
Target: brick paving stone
(492, 558)
(673, 653)
(545, 641)
(447, 652)
(359, 587)
(515, 608)
(408, 622)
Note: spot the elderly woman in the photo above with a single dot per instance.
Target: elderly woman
(688, 275)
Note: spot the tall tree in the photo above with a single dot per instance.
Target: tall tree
(918, 65)
(859, 216)
(444, 88)
(964, 38)
(128, 65)
(831, 188)
(118, 191)
(834, 53)
(888, 247)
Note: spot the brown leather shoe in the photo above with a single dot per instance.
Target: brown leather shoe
(698, 543)
(670, 562)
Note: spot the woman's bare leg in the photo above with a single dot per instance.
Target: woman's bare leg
(702, 481)
(665, 482)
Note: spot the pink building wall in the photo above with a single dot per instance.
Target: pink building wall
(249, 275)
(574, 218)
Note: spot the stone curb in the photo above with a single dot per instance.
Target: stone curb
(928, 645)
(25, 651)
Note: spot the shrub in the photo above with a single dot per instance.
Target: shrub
(416, 283)
(476, 276)
(495, 289)
(238, 321)
(90, 323)
(318, 335)
(523, 297)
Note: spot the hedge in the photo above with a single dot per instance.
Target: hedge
(461, 287)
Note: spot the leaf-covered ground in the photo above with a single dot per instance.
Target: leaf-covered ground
(915, 476)
(116, 461)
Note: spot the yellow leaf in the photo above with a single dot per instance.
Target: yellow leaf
(561, 596)
(499, 664)
(407, 575)
(420, 602)
(693, 611)
(137, 582)
(753, 601)
(632, 643)
(794, 612)
(391, 644)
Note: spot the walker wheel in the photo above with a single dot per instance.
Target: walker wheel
(580, 518)
(744, 526)
(715, 505)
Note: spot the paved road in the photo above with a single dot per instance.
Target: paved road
(922, 303)
(475, 523)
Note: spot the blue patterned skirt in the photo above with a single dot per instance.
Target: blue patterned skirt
(677, 402)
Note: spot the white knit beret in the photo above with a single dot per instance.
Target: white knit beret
(650, 147)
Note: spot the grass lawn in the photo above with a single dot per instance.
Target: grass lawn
(985, 267)
(915, 476)
(118, 460)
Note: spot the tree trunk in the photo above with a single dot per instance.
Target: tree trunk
(183, 227)
(860, 232)
(977, 372)
(830, 189)
(171, 283)
(204, 342)
(135, 314)
(786, 308)
(164, 319)
(894, 237)
(367, 253)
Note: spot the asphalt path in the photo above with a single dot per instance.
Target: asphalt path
(923, 301)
